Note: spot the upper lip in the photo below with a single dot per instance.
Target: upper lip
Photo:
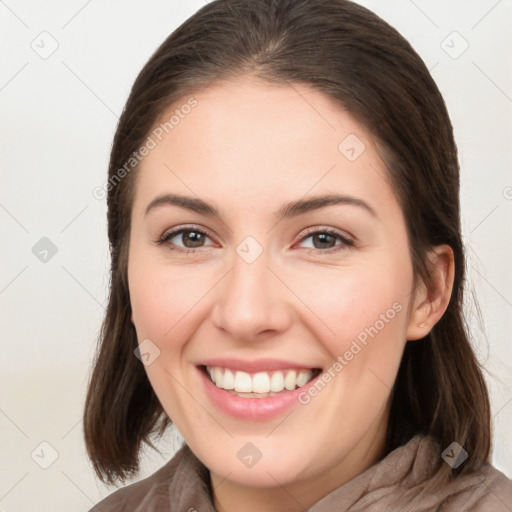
(254, 366)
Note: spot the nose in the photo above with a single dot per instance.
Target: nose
(251, 302)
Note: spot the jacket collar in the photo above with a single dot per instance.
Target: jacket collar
(402, 480)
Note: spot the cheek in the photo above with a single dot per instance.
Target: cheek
(163, 299)
(363, 316)
(367, 313)
(355, 302)
(165, 304)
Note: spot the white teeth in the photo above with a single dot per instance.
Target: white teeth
(289, 380)
(228, 381)
(217, 375)
(277, 382)
(302, 379)
(261, 382)
(243, 383)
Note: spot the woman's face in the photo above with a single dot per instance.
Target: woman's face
(265, 294)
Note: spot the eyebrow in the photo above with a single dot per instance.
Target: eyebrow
(288, 210)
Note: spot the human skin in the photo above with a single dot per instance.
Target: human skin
(248, 147)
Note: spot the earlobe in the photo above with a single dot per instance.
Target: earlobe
(430, 305)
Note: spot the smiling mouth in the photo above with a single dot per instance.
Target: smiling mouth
(260, 384)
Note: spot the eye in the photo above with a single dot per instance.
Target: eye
(326, 240)
(190, 237)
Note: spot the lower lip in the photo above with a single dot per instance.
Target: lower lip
(252, 408)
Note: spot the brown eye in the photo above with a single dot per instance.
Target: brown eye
(326, 241)
(192, 239)
(185, 238)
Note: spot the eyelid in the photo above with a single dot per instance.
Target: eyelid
(326, 229)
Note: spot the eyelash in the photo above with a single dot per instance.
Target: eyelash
(345, 242)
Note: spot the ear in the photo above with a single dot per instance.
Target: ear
(430, 305)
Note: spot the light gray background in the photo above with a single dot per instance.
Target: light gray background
(58, 117)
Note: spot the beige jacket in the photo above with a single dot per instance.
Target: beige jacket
(396, 483)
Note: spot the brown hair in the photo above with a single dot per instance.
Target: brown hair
(351, 55)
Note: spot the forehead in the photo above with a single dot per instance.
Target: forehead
(247, 141)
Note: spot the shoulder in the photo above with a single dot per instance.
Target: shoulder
(152, 490)
(409, 474)
(491, 491)
(483, 490)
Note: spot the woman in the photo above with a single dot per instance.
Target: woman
(287, 275)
